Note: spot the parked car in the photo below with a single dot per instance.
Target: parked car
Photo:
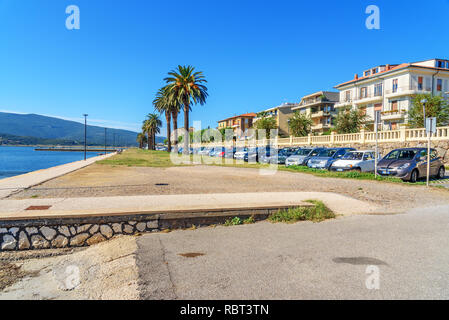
(327, 157)
(362, 161)
(282, 155)
(302, 156)
(240, 153)
(410, 164)
(254, 154)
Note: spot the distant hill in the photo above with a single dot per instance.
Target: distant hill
(47, 129)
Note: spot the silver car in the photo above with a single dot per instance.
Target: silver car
(302, 156)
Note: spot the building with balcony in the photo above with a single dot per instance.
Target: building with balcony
(282, 114)
(388, 90)
(241, 122)
(320, 107)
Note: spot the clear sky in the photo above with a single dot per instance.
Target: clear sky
(255, 54)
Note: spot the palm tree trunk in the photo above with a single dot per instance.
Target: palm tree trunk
(168, 118)
(175, 130)
(186, 127)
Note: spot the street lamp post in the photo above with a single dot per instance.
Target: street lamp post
(429, 133)
(105, 141)
(85, 136)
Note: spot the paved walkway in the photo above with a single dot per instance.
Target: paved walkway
(11, 185)
(77, 207)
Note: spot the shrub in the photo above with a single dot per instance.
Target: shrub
(317, 213)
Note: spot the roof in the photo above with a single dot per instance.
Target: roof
(391, 68)
(246, 115)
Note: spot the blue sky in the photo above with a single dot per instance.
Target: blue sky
(255, 54)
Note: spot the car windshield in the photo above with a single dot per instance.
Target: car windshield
(353, 156)
(327, 153)
(303, 152)
(401, 155)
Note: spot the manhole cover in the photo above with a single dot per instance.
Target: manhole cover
(161, 184)
(32, 208)
(191, 254)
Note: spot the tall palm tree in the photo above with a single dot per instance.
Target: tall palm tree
(146, 129)
(161, 104)
(141, 139)
(186, 87)
(152, 126)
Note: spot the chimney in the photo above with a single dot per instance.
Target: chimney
(387, 67)
(356, 77)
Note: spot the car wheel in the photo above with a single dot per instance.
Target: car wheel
(441, 173)
(414, 176)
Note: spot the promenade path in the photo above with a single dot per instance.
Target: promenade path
(12, 185)
(123, 205)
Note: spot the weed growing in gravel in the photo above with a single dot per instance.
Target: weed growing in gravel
(233, 222)
(250, 220)
(317, 213)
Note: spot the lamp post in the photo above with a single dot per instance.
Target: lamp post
(85, 136)
(105, 141)
(429, 133)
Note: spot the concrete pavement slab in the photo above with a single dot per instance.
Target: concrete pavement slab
(70, 207)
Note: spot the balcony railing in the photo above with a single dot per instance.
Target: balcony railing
(407, 89)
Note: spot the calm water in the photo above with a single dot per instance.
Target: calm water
(19, 160)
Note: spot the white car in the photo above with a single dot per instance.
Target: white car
(362, 161)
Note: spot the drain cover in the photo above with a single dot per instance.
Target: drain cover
(191, 254)
(32, 208)
(161, 184)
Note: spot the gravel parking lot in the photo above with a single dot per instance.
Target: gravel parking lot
(103, 180)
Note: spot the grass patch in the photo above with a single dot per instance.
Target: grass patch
(317, 213)
(346, 175)
(233, 222)
(140, 158)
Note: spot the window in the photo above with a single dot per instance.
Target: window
(440, 64)
(348, 95)
(447, 64)
(394, 105)
(363, 92)
(378, 89)
(420, 83)
(395, 85)
(439, 85)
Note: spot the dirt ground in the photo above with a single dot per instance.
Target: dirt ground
(103, 180)
(104, 271)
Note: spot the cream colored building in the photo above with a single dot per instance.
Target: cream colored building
(320, 107)
(282, 114)
(388, 90)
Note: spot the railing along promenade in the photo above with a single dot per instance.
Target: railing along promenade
(362, 137)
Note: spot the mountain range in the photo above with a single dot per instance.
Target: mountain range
(37, 129)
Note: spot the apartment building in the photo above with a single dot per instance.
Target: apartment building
(388, 90)
(320, 107)
(282, 114)
(241, 122)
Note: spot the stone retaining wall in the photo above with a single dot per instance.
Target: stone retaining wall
(78, 232)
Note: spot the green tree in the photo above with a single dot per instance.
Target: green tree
(350, 120)
(186, 87)
(265, 123)
(152, 127)
(141, 139)
(436, 106)
(300, 124)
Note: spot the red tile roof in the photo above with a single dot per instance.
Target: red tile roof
(246, 115)
(396, 67)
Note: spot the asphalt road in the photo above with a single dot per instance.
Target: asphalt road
(330, 260)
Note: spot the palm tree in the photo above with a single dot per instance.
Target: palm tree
(161, 104)
(146, 129)
(141, 139)
(186, 87)
(152, 126)
(300, 124)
